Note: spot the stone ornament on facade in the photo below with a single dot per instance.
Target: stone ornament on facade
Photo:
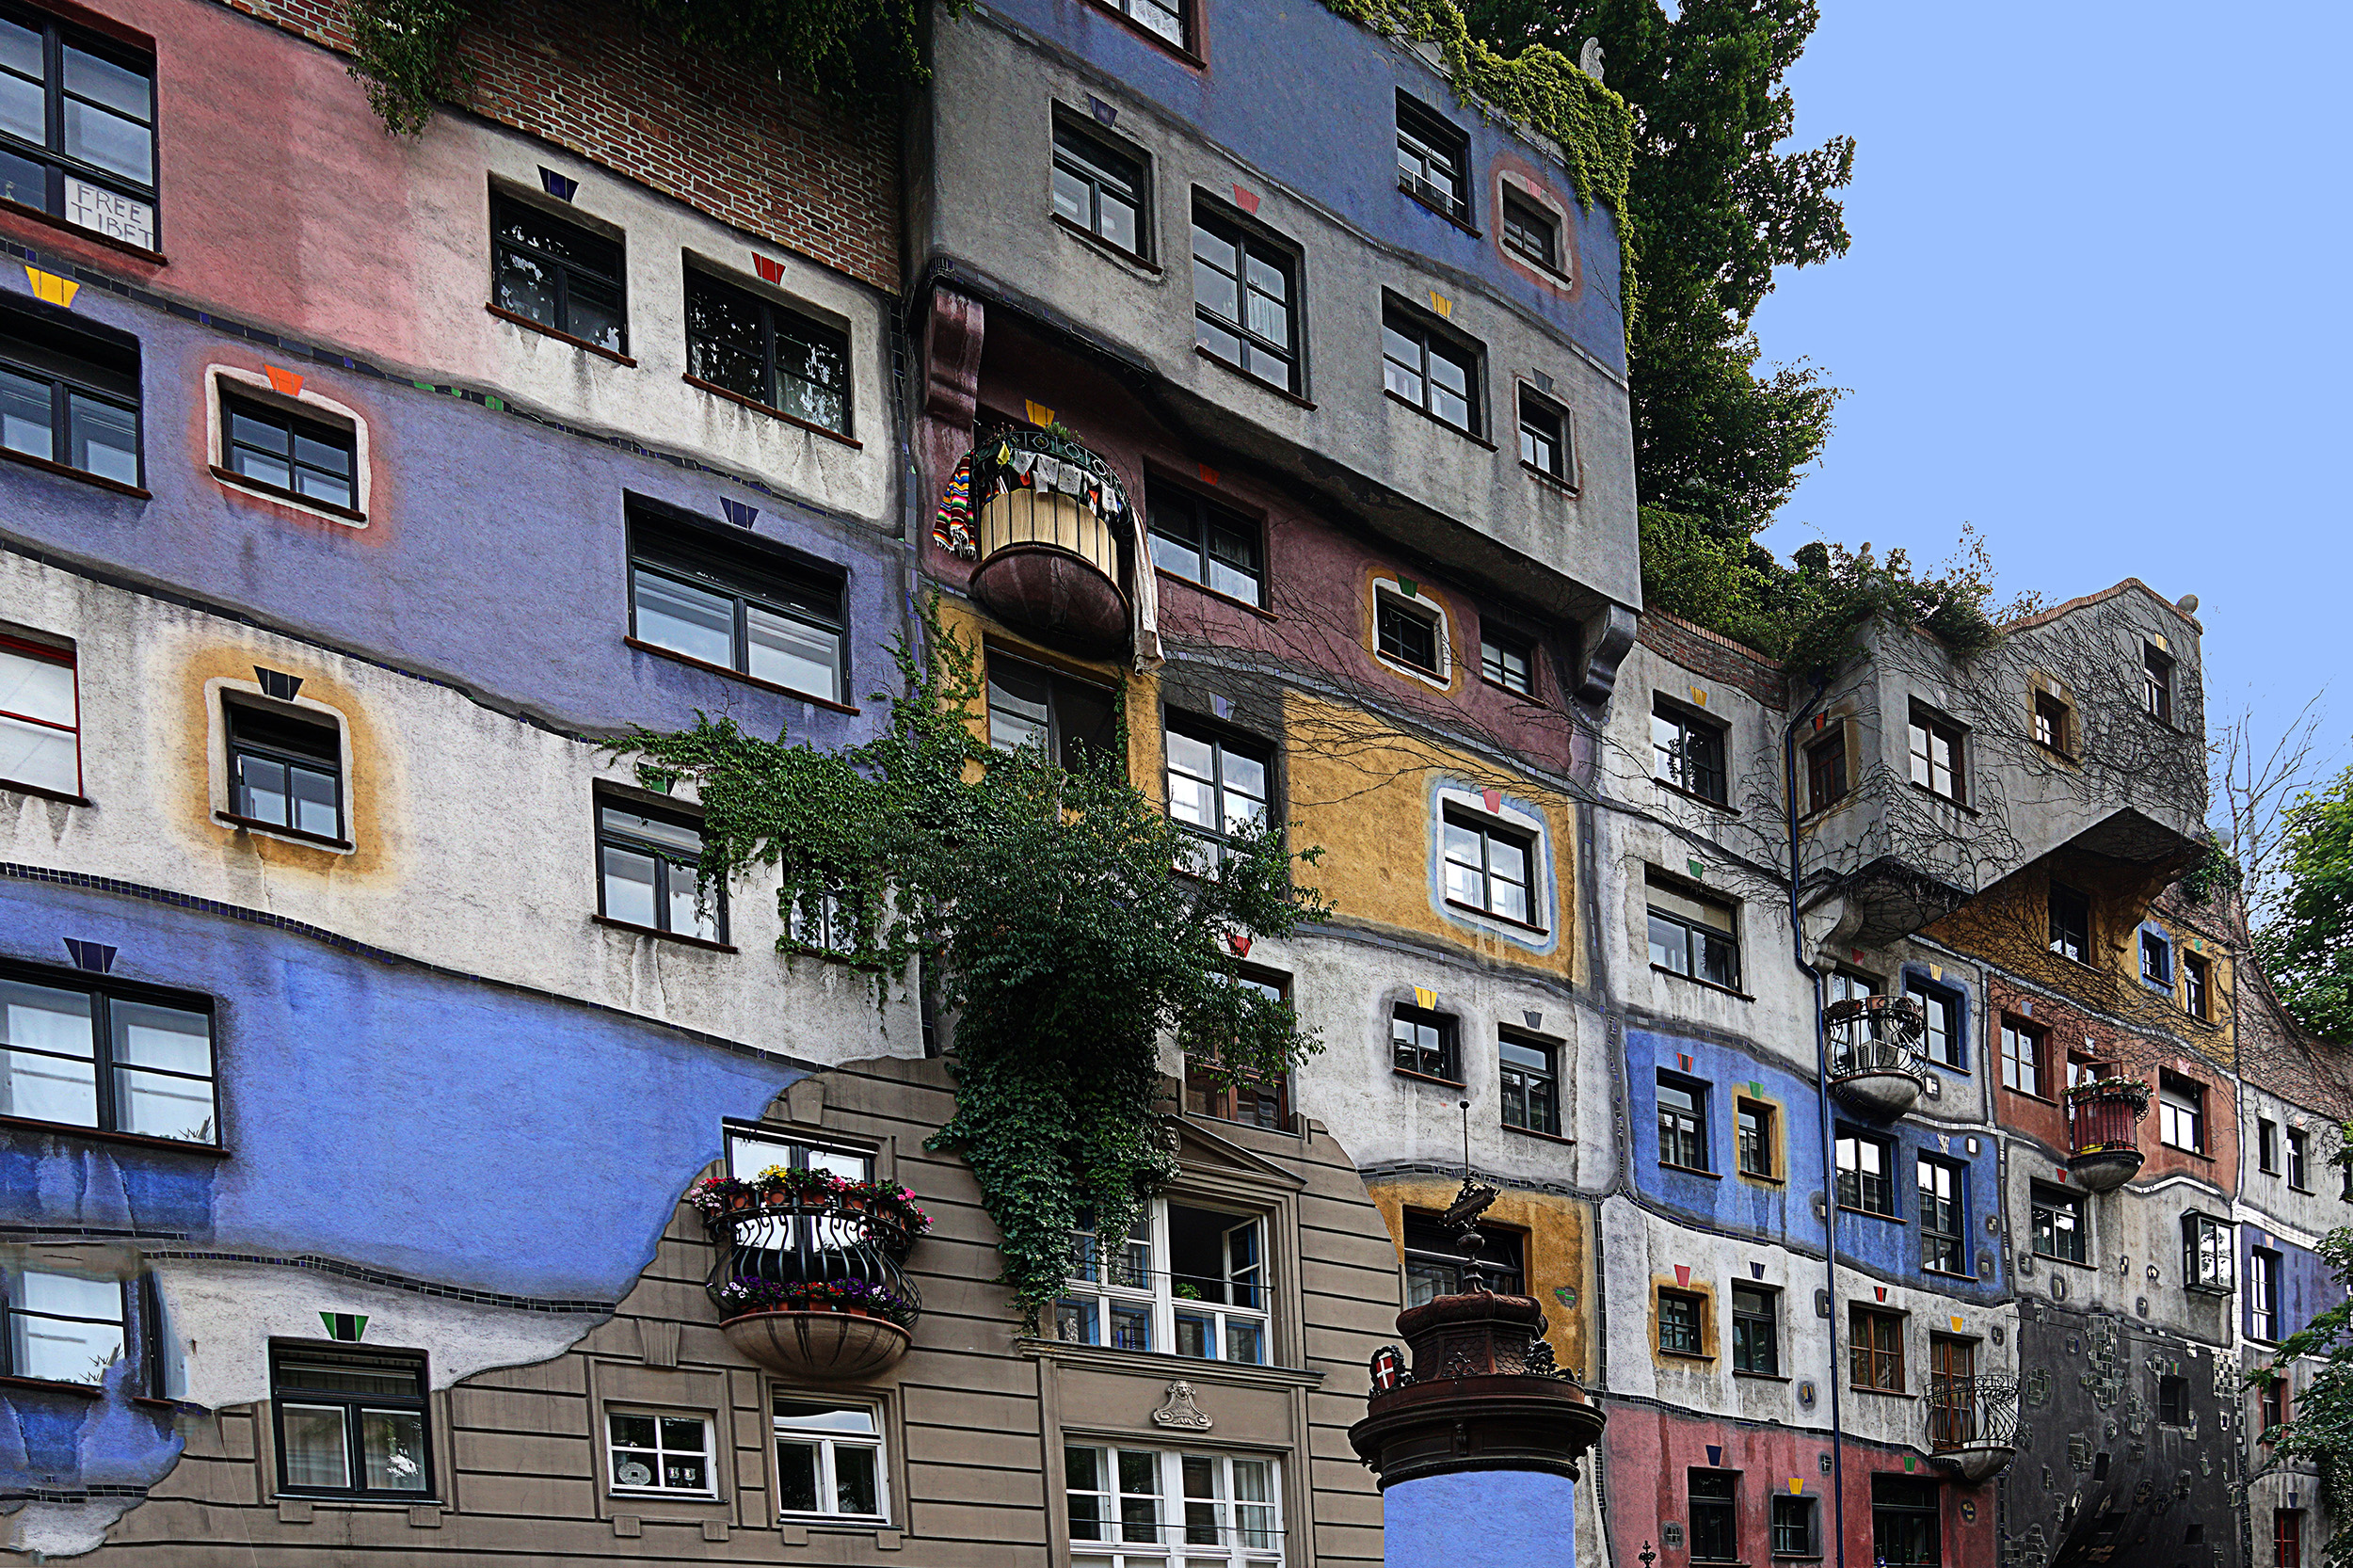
(1179, 1410)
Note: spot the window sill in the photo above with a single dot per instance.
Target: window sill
(1471, 436)
(1946, 1273)
(1283, 392)
(658, 1495)
(106, 1135)
(634, 929)
(2199, 1155)
(1690, 1170)
(1513, 691)
(772, 413)
(1096, 242)
(2031, 1094)
(1686, 1355)
(1535, 1132)
(1499, 920)
(1943, 800)
(1550, 479)
(1428, 206)
(1148, 36)
(18, 209)
(826, 955)
(279, 830)
(11, 787)
(1207, 592)
(2216, 1290)
(388, 1502)
(835, 1524)
(1760, 1377)
(514, 318)
(1882, 1393)
(1414, 672)
(1760, 1176)
(81, 475)
(292, 498)
(2302, 1191)
(693, 663)
(51, 1385)
(1704, 985)
(1426, 1078)
(1872, 1214)
(1673, 788)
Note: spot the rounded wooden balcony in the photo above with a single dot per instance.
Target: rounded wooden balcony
(1050, 518)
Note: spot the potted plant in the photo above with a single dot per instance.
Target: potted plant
(715, 1195)
(2132, 1091)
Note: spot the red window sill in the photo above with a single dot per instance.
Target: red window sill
(104, 1135)
(18, 209)
(516, 319)
(773, 411)
(79, 475)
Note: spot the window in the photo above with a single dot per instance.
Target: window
(2299, 1175)
(2059, 1224)
(1544, 435)
(2071, 923)
(1428, 370)
(285, 770)
(1940, 1013)
(351, 1423)
(1164, 19)
(2287, 1538)
(1254, 1102)
(2263, 1294)
(2196, 987)
(1848, 985)
(1207, 1300)
(1433, 1263)
(40, 739)
(1529, 233)
(1688, 752)
(1531, 1085)
(2156, 960)
(1217, 787)
(1876, 1343)
(1216, 1511)
(1936, 766)
(1406, 633)
(1866, 1172)
(1680, 1320)
(1490, 866)
(1826, 771)
(290, 453)
(114, 1059)
(1507, 660)
(2272, 1404)
(1203, 543)
(2206, 1252)
(660, 1453)
(2266, 1147)
(1691, 934)
(2173, 1402)
(1905, 1529)
(2081, 1069)
(1715, 1533)
(752, 1151)
(2181, 1112)
(2156, 685)
(1682, 1123)
(1952, 1391)
(61, 1327)
(77, 128)
(828, 921)
(66, 398)
(647, 866)
(1423, 1043)
(1075, 721)
(2051, 722)
(1755, 1331)
(1752, 1133)
(1242, 288)
(703, 596)
(2023, 1058)
(829, 1459)
(1099, 189)
(1433, 159)
(1943, 1217)
(777, 357)
(1793, 1526)
(557, 273)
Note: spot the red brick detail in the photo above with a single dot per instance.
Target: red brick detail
(775, 160)
(1713, 655)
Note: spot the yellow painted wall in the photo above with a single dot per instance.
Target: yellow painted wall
(1559, 1253)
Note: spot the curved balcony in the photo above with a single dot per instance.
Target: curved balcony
(808, 1280)
(1875, 1062)
(1972, 1424)
(2104, 1132)
(1050, 518)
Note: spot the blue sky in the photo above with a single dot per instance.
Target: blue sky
(2097, 306)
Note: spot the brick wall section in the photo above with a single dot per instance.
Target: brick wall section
(772, 158)
(1714, 655)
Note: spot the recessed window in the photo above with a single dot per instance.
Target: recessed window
(1875, 1344)
(1254, 1102)
(1531, 1082)
(1713, 1497)
(2181, 1112)
(1243, 300)
(1681, 1321)
(2272, 1404)
(2266, 1147)
(557, 273)
(1423, 1042)
(41, 715)
(2173, 1402)
(2071, 923)
(67, 397)
(1683, 1122)
(1692, 934)
(660, 1453)
(2024, 1058)
(1826, 769)
(2206, 1251)
(1755, 1331)
(2287, 1538)
(1490, 866)
(1793, 1526)
(351, 1423)
(2196, 986)
(61, 1327)
(1530, 232)
(828, 921)
(1688, 752)
(1405, 633)
(1940, 1014)
(2263, 1294)
(2156, 685)
(1936, 764)
(1545, 435)
(2054, 726)
(698, 593)
(829, 1459)
(1099, 188)
(1866, 1172)
(2059, 1224)
(77, 127)
(1433, 159)
(1753, 1136)
(2081, 1069)
(289, 453)
(648, 862)
(772, 356)
(1944, 1217)
(1507, 660)
(1208, 1300)
(2156, 960)
(2299, 1175)
(286, 769)
(1224, 1510)
(1906, 1524)
(1434, 1265)
(1203, 542)
(1430, 370)
(109, 1057)
(1217, 787)
(1164, 19)
(1075, 721)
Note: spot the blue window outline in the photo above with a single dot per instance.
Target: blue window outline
(2171, 985)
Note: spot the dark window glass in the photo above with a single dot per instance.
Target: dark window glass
(1531, 1085)
(1683, 1122)
(107, 1057)
(1076, 721)
(1432, 372)
(1254, 1102)
(1544, 435)
(1508, 661)
(1423, 1043)
(1689, 753)
(1755, 1331)
(2299, 1175)
(2267, 1146)
(1826, 772)
(648, 862)
(1793, 1526)
(777, 357)
(1203, 542)
(1940, 1013)
(2206, 1251)
(1406, 634)
(1490, 866)
(2156, 960)
(288, 453)
(1876, 1340)
(1866, 1172)
(1530, 232)
(2023, 1058)
(286, 770)
(1099, 188)
(699, 593)
(1943, 1217)
(2059, 1224)
(1692, 936)
(2173, 1402)
(1680, 1320)
(350, 1424)
(1217, 787)
(2196, 998)
(2156, 685)
(1434, 1264)
(77, 127)
(2287, 1538)
(68, 397)
(558, 274)
(1715, 1530)
(1904, 1522)
(2272, 1406)
(1936, 758)
(1752, 1131)
(1433, 159)
(2071, 923)
(1244, 309)
(2051, 728)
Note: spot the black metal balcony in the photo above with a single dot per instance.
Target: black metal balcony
(809, 1281)
(1972, 1424)
(1875, 1061)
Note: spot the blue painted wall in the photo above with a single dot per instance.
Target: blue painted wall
(2307, 1286)
(1490, 1518)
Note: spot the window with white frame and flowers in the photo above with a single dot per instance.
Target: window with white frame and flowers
(1132, 1507)
(1186, 1281)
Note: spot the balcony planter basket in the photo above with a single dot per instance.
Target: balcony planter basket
(2103, 1138)
(1875, 1062)
(807, 1279)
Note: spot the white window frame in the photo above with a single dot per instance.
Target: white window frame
(662, 1452)
(1146, 1287)
(1236, 1545)
(782, 1429)
(2175, 1108)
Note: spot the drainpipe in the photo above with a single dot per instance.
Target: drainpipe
(1830, 1164)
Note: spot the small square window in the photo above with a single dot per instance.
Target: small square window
(1431, 369)
(1680, 1323)
(286, 769)
(1530, 1075)
(558, 274)
(2059, 1224)
(1683, 1122)
(289, 454)
(1490, 868)
(2054, 723)
(829, 1459)
(67, 396)
(351, 1423)
(1407, 634)
(660, 1453)
(2156, 960)
(1530, 232)
(61, 1327)
(1866, 1172)
(1753, 1134)
(1793, 1526)
(649, 861)
(1217, 787)
(1507, 660)
(1076, 721)
(1423, 1042)
(40, 719)
(1692, 933)
(2071, 923)
(1245, 309)
(1203, 542)
(1826, 769)
(1433, 159)
(1545, 436)
(1755, 1331)
(1936, 757)
(1714, 1500)
(77, 127)
(766, 354)
(2181, 1112)
(1688, 752)
(2206, 1262)
(1875, 1344)
(1099, 187)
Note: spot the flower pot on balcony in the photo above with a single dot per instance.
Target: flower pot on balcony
(820, 1346)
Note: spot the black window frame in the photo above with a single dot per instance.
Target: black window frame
(2208, 1239)
(1537, 411)
(1070, 743)
(1497, 647)
(1518, 1083)
(1691, 1128)
(1688, 1322)
(1427, 1245)
(2156, 959)
(1448, 1049)
(75, 364)
(2070, 917)
(1826, 773)
(753, 577)
(1698, 760)
(668, 863)
(2156, 684)
(1388, 608)
(1938, 1002)
(266, 731)
(804, 330)
(351, 1403)
(2053, 716)
(1862, 1189)
(1764, 1142)
(1098, 162)
(1187, 519)
(561, 269)
(2266, 1145)
(1249, 1102)
(2183, 1087)
(1895, 1508)
(2299, 1160)
(1796, 1526)
(1756, 1331)
(1491, 831)
(1435, 143)
(1943, 1217)
(1223, 744)
(1518, 215)
(2067, 1244)
(1713, 1499)
(244, 404)
(58, 165)
(1699, 936)
(1430, 342)
(2196, 986)
(104, 1068)
(1928, 732)
(2173, 1401)
(1249, 244)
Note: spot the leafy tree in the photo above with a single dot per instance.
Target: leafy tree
(2306, 948)
(1715, 210)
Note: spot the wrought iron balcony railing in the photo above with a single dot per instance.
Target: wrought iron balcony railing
(1973, 1422)
(784, 1251)
(1875, 1059)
